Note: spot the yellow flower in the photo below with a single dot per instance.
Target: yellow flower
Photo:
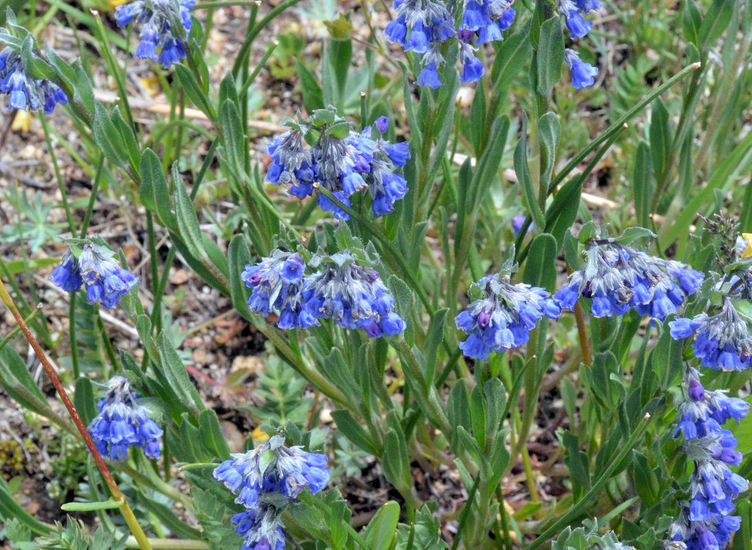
(21, 121)
(115, 3)
(259, 434)
(748, 252)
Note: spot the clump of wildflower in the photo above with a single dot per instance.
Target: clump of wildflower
(122, 423)
(24, 92)
(154, 19)
(705, 521)
(722, 341)
(503, 318)
(276, 282)
(341, 161)
(617, 277)
(265, 480)
(94, 267)
(421, 26)
(353, 296)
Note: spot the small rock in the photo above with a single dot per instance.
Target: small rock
(180, 277)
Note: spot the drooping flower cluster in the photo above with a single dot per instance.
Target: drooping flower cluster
(722, 341)
(352, 295)
(122, 423)
(266, 480)
(706, 521)
(618, 277)
(421, 26)
(26, 93)
(277, 282)
(154, 19)
(341, 161)
(94, 267)
(503, 318)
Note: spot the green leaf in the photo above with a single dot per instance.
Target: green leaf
(396, 462)
(549, 130)
(550, 55)
(172, 369)
(381, 531)
(312, 95)
(110, 504)
(526, 181)
(211, 434)
(233, 138)
(660, 136)
(194, 91)
(642, 184)
(83, 399)
(108, 138)
(18, 382)
(355, 432)
(154, 193)
(716, 20)
(10, 509)
(540, 269)
(238, 257)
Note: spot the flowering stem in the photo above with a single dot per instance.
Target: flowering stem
(125, 510)
(579, 317)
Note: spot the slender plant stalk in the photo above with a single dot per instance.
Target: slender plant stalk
(125, 510)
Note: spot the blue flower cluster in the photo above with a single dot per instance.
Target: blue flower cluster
(503, 318)
(266, 480)
(277, 282)
(155, 19)
(122, 423)
(24, 92)
(351, 295)
(343, 166)
(96, 269)
(618, 277)
(722, 342)
(583, 74)
(705, 522)
(421, 26)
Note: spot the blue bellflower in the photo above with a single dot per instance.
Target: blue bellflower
(122, 423)
(154, 19)
(272, 468)
(421, 26)
(98, 272)
(260, 528)
(722, 341)
(24, 92)
(705, 521)
(352, 296)
(578, 26)
(276, 282)
(344, 166)
(503, 318)
(583, 74)
(617, 277)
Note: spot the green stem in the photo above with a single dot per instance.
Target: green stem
(92, 197)
(58, 176)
